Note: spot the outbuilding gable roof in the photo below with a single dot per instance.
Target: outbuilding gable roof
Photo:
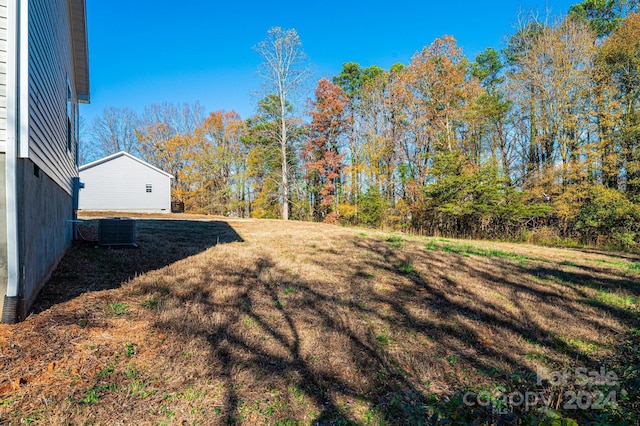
(123, 154)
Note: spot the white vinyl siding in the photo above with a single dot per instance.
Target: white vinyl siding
(3, 74)
(50, 68)
(121, 183)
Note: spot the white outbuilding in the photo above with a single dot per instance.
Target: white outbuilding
(124, 183)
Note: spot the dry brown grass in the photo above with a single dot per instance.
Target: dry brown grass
(266, 322)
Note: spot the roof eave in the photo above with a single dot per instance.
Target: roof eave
(125, 154)
(80, 48)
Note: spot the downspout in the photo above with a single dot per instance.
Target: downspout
(13, 310)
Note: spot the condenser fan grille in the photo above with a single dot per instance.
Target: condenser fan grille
(117, 232)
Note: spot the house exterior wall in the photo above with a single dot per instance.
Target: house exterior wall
(3, 145)
(3, 232)
(3, 74)
(51, 76)
(45, 155)
(46, 232)
(120, 185)
(44, 178)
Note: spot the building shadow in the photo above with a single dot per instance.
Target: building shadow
(87, 267)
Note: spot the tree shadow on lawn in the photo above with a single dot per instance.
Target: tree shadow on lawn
(360, 344)
(283, 324)
(86, 267)
(347, 344)
(631, 257)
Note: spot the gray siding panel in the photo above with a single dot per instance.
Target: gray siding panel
(3, 226)
(3, 73)
(46, 163)
(120, 185)
(50, 67)
(44, 216)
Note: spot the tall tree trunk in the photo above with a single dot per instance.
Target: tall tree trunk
(285, 171)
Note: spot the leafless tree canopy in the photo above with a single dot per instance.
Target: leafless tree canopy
(284, 68)
(115, 131)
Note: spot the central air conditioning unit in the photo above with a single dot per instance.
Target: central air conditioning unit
(117, 231)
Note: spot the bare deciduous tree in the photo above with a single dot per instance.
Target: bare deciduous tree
(180, 118)
(115, 131)
(284, 70)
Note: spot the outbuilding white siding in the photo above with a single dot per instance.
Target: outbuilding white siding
(124, 183)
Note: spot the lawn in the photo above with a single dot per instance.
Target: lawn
(268, 322)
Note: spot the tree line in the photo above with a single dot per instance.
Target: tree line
(537, 141)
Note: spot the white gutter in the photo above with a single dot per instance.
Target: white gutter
(17, 11)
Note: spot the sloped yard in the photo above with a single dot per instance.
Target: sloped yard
(266, 322)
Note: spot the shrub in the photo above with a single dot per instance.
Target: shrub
(372, 208)
(608, 213)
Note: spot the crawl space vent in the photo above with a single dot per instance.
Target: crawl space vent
(117, 232)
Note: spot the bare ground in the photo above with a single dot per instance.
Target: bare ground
(265, 322)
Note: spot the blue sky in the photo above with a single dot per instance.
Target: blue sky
(151, 51)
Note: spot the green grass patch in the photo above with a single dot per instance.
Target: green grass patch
(498, 296)
(248, 322)
(395, 239)
(190, 394)
(107, 371)
(151, 303)
(407, 268)
(130, 349)
(131, 372)
(297, 393)
(616, 300)
(469, 250)
(538, 356)
(586, 347)
(631, 266)
(118, 309)
(432, 246)
(138, 388)
(384, 339)
(95, 392)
